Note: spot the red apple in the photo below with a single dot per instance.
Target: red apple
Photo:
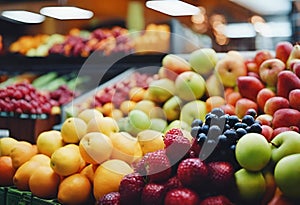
(249, 86)
(294, 98)
(261, 56)
(267, 132)
(269, 69)
(286, 117)
(287, 81)
(253, 74)
(262, 96)
(265, 119)
(251, 65)
(275, 103)
(228, 109)
(283, 50)
(243, 105)
(278, 130)
(296, 68)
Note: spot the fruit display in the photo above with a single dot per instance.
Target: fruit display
(228, 134)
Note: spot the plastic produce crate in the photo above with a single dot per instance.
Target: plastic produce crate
(16, 197)
(27, 126)
(39, 201)
(3, 191)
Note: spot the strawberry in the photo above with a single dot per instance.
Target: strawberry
(221, 174)
(131, 188)
(155, 165)
(181, 196)
(192, 172)
(112, 198)
(153, 194)
(173, 183)
(176, 145)
(216, 200)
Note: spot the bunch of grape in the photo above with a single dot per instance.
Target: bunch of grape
(218, 134)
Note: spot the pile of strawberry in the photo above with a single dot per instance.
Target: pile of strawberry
(173, 176)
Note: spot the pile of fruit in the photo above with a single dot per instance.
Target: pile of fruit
(206, 130)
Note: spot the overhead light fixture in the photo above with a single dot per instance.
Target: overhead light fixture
(239, 30)
(173, 7)
(23, 16)
(66, 12)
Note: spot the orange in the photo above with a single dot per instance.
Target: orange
(214, 102)
(23, 173)
(44, 182)
(73, 129)
(233, 97)
(126, 106)
(7, 171)
(136, 94)
(89, 171)
(88, 114)
(108, 176)
(21, 153)
(6, 144)
(74, 189)
(42, 159)
(107, 108)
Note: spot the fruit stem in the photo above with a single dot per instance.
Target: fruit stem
(275, 145)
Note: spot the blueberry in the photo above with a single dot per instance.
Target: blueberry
(214, 132)
(256, 128)
(232, 120)
(218, 112)
(195, 131)
(223, 141)
(205, 128)
(209, 118)
(240, 125)
(251, 112)
(231, 135)
(241, 132)
(201, 138)
(197, 122)
(248, 119)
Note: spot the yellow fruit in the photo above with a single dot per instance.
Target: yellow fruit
(23, 173)
(74, 189)
(95, 147)
(21, 153)
(126, 106)
(49, 141)
(108, 176)
(42, 159)
(89, 171)
(107, 108)
(66, 161)
(73, 129)
(116, 114)
(150, 140)
(125, 147)
(88, 114)
(136, 94)
(6, 144)
(106, 125)
(44, 182)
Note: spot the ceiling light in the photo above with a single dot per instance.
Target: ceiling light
(239, 30)
(173, 7)
(66, 12)
(23, 16)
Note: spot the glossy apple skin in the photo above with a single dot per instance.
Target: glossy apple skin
(275, 103)
(279, 130)
(286, 117)
(262, 96)
(267, 132)
(269, 69)
(251, 65)
(287, 81)
(283, 50)
(243, 105)
(249, 86)
(296, 68)
(261, 56)
(294, 99)
(265, 119)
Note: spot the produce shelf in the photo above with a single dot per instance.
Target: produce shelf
(17, 197)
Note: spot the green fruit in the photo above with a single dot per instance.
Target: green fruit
(203, 60)
(138, 119)
(253, 151)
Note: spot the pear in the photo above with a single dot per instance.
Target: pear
(294, 55)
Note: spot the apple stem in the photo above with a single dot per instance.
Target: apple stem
(274, 145)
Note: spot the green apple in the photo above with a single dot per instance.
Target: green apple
(178, 124)
(136, 121)
(253, 152)
(172, 108)
(161, 90)
(203, 60)
(285, 143)
(190, 111)
(287, 175)
(190, 86)
(145, 105)
(158, 124)
(251, 185)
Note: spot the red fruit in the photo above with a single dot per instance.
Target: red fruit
(267, 132)
(249, 86)
(112, 198)
(275, 103)
(220, 174)
(216, 200)
(192, 172)
(195, 149)
(176, 145)
(173, 183)
(262, 96)
(287, 81)
(294, 96)
(131, 188)
(283, 50)
(278, 130)
(181, 196)
(153, 194)
(286, 117)
(261, 56)
(155, 165)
